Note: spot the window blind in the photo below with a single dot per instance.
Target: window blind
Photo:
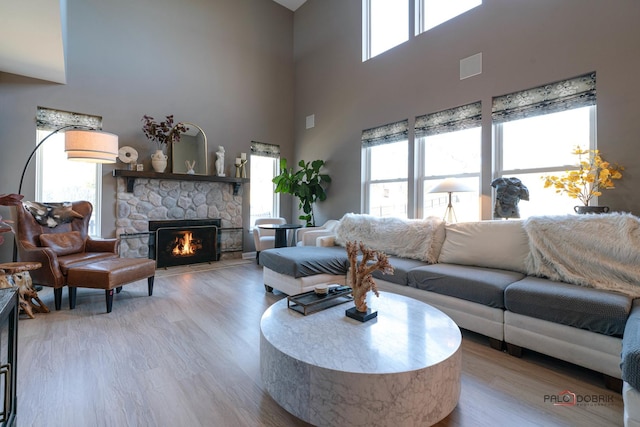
(264, 149)
(392, 132)
(451, 120)
(51, 119)
(551, 98)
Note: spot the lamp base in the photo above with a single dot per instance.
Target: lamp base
(450, 215)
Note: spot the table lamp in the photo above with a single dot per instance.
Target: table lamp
(451, 185)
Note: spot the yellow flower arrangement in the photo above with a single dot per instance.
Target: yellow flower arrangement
(593, 175)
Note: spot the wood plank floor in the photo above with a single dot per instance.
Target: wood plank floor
(189, 356)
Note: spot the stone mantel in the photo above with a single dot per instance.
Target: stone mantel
(165, 196)
(131, 176)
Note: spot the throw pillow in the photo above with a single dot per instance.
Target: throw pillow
(52, 214)
(419, 239)
(62, 244)
(493, 244)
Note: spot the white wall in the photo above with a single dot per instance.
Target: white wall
(225, 65)
(524, 44)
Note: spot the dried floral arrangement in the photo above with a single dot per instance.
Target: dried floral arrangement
(164, 132)
(360, 278)
(592, 176)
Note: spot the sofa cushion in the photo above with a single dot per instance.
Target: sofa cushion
(585, 308)
(419, 239)
(301, 261)
(478, 284)
(494, 244)
(401, 268)
(62, 244)
(631, 348)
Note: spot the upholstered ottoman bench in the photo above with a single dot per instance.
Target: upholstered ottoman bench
(298, 269)
(110, 274)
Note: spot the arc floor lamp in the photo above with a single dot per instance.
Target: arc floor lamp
(81, 143)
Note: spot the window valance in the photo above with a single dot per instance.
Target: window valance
(451, 120)
(50, 119)
(551, 98)
(265, 150)
(392, 132)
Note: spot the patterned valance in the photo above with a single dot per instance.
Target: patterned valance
(551, 98)
(393, 132)
(264, 149)
(451, 120)
(50, 119)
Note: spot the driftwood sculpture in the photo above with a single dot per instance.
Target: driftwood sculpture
(27, 296)
(360, 278)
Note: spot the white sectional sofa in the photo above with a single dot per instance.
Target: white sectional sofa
(484, 276)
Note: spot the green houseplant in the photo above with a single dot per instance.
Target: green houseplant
(307, 184)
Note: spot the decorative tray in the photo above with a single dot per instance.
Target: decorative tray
(310, 302)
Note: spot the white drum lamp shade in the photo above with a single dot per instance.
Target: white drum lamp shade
(91, 146)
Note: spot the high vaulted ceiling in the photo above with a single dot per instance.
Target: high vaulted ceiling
(291, 4)
(32, 37)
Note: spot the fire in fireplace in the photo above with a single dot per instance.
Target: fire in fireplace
(186, 245)
(183, 242)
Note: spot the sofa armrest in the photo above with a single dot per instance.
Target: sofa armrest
(310, 237)
(326, 240)
(49, 274)
(301, 232)
(102, 245)
(631, 347)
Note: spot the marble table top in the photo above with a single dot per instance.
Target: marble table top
(407, 335)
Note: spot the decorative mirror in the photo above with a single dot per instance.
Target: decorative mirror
(189, 155)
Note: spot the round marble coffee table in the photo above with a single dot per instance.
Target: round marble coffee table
(402, 368)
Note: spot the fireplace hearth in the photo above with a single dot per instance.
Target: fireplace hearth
(184, 242)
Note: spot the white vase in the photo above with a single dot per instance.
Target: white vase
(159, 161)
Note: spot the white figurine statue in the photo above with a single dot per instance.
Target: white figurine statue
(190, 167)
(220, 161)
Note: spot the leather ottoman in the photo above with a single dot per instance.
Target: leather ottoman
(110, 274)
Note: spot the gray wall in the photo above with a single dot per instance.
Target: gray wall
(524, 44)
(226, 65)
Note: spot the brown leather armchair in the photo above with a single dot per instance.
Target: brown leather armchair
(60, 247)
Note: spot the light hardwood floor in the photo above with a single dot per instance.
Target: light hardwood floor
(189, 356)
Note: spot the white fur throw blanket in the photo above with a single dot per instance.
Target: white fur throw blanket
(419, 239)
(597, 251)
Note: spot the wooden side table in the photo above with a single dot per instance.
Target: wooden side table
(17, 274)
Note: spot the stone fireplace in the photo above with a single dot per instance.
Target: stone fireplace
(184, 241)
(158, 199)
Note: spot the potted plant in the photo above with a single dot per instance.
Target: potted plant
(593, 175)
(161, 134)
(307, 184)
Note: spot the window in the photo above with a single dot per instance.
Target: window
(385, 24)
(62, 180)
(449, 144)
(431, 13)
(385, 159)
(535, 132)
(263, 167)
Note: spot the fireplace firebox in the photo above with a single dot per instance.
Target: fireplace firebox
(183, 242)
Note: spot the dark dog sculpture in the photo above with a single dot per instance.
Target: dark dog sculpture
(509, 191)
